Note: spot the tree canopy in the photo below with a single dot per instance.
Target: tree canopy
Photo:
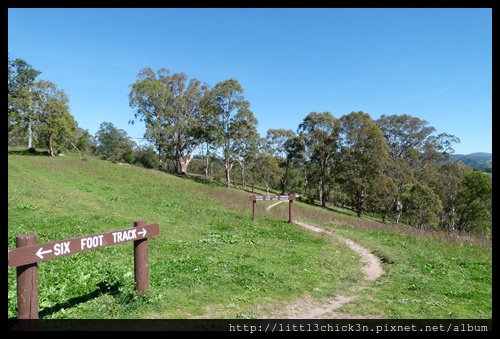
(170, 106)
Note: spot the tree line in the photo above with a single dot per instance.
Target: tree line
(395, 167)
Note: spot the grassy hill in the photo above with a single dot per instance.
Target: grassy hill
(211, 260)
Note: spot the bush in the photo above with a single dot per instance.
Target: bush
(147, 158)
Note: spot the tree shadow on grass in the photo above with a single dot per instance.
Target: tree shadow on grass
(338, 211)
(30, 151)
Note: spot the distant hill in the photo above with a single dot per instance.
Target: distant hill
(478, 160)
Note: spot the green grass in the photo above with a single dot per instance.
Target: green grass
(211, 260)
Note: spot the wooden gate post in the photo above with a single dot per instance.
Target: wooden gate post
(27, 288)
(253, 198)
(141, 261)
(291, 198)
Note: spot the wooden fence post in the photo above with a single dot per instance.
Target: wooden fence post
(141, 261)
(291, 198)
(27, 288)
(254, 207)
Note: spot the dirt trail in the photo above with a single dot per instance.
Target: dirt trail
(307, 308)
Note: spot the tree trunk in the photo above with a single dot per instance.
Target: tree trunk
(51, 147)
(183, 163)
(206, 167)
(359, 208)
(399, 210)
(359, 204)
(228, 179)
(243, 182)
(228, 167)
(320, 192)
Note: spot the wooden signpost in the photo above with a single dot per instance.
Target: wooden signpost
(290, 198)
(27, 253)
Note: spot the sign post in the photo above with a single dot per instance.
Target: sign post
(28, 253)
(141, 261)
(254, 208)
(27, 296)
(289, 198)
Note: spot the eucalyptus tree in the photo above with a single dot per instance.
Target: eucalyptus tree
(438, 148)
(170, 106)
(234, 123)
(399, 172)
(280, 145)
(114, 144)
(321, 136)
(149, 97)
(403, 133)
(269, 171)
(209, 154)
(246, 149)
(427, 167)
(187, 125)
(295, 157)
(54, 123)
(383, 197)
(435, 151)
(474, 203)
(422, 206)
(84, 141)
(254, 167)
(363, 157)
(20, 100)
(209, 121)
(405, 136)
(448, 182)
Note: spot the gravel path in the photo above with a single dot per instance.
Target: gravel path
(307, 308)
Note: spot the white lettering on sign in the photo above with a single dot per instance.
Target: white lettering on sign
(124, 235)
(259, 198)
(91, 242)
(62, 248)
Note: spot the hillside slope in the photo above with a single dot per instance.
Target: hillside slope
(478, 160)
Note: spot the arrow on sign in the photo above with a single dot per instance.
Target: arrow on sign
(40, 253)
(143, 232)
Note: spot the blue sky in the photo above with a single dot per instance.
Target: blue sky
(431, 63)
